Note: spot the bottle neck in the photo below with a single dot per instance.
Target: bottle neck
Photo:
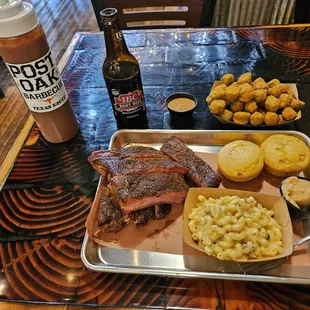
(114, 39)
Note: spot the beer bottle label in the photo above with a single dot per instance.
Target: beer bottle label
(40, 84)
(128, 103)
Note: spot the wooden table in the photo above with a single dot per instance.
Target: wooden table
(48, 193)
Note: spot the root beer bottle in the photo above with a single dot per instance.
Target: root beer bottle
(122, 76)
(24, 48)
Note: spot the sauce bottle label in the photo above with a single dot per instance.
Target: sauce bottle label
(40, 84)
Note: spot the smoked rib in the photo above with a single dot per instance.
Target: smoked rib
(198, 170)
(115, 166)
(135, 192)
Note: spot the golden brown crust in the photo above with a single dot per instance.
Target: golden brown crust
(240, 161)
(285, 155)
(242, 118)
(251, 97)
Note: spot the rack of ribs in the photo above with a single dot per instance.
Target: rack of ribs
(99, 159)
(134, 192)
(141, 184)
(198, 170)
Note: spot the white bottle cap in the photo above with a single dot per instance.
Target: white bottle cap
(16, 18)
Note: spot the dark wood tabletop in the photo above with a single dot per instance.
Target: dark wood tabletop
(47, 195)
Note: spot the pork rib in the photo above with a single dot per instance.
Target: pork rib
(135, 151)
(134, 192)
(126, 166)
(111, 218)
(161, 211)
(99, 158)
(198, 170)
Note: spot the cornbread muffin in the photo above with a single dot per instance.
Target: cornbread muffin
(240, 161)
(285, 155)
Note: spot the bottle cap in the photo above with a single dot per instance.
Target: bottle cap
(16, 18)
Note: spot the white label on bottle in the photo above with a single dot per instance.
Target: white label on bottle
(119, 35)
(40, 84)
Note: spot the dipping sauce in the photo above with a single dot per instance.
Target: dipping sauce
(296, 191)
(181, 104)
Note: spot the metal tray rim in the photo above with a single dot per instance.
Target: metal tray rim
(187, 273)
(172, 131)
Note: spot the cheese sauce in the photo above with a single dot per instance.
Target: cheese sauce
(181, 104)
(297, 191)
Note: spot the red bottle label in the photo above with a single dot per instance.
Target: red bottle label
(130, 102)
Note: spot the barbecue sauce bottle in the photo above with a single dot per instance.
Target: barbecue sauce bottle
(122, 76)
(24, 48)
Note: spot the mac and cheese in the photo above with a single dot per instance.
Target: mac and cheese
(234, 228)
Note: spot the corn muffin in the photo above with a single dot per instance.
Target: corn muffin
(285, 155)
(240, 161)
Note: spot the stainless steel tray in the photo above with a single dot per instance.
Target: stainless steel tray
(98, 258)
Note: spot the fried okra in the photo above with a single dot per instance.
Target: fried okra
(255, 103)
(271, 118)
(232, 93)
(246, 92)
(227, 114)
(228, 78)
(260, 83)
(260, 95)
(289, 114)
(281, 119)
(296, 104)
(285, 100)
(256, 119)
(236, 106)
(272, 104)
(273, 83)
(245, 78)
(242, 118)
(292, 93)
(277, 90)
(250, 106)
(217, 92)
(217, 106)
(261, 111)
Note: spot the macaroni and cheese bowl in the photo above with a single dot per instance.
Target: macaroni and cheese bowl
(212, 217)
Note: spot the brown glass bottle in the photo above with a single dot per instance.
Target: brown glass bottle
(122, 76)
(24, 48)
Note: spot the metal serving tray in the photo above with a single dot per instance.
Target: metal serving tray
(99, 258)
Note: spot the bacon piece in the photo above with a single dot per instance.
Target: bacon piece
(198, 170)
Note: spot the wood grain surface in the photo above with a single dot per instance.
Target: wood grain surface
(49, 191)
